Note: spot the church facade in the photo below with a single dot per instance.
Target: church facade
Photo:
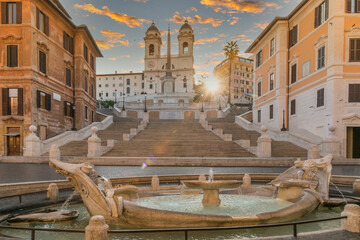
(156, 70)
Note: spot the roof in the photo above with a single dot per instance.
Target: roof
(84, 27)
(153, 27)
(118, 74)
(186, 25)
(273, 22)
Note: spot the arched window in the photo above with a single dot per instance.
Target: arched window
(185, 47)
(151, 49)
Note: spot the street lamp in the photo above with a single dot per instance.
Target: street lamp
(283, 129)
(123, 108)
(202, 102)
(145, 109)
(115, 96)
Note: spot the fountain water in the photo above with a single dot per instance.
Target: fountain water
(339, 192)
(67, 201)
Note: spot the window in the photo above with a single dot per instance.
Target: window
(11, 13)
(68, 109)
(92, 62)
(185, 47)
(321, 57)
(272, 47)
(42, 62)
(128, 90)
(86, 53)
(43, 100)
(320, 98)
(114, 94)
(68, 43)
(293, 73)
(305, 68)
(86, 112)
(293, 107)
(271, 81)
(293, 36)
(12, 55)
(92, 116)
(354, 92)
(86, 84)
(271, 111)
(321, 13)
(106, 85)
(151, 49)
(68, 77)
(127, 81)
(142, 85)
(236, 90)
(42, 22)
(113, 84)
(106, 94)
(354, 50)
(184, 85)
(353, 6)
(259, 116)
(259, 58)
(242, 90)
(99, 85)
(259, 89)
(92, 90)
(12, 101)
(151, 86)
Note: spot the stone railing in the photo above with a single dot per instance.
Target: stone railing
(218, 131)
(133, 131)
(95, 149)
(35, 147)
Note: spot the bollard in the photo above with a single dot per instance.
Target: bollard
(155, 183)
(97, 229)
(352, 222)
(246, 180)
(356, 188)
(53, 192)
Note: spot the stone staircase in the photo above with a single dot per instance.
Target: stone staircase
(177, 138)
(114, 131)
(278, 148)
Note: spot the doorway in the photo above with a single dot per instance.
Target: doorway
(353, 142)
(13, 145)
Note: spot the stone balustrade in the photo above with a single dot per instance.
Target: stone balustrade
(134, 131)
(94, 144)
(264, 144)
(218, 131)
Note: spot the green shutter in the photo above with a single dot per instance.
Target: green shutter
(20, 102)
(5, 101)
(38, 98)
(18, 13)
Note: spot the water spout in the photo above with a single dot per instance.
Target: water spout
(339, 192)
(66, 203)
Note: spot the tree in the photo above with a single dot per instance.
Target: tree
(231, 50)
(200, 89)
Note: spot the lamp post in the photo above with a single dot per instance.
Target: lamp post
(283, 129)
(115, 96)
(123, 108)
(202, 102)
(145, 109)
(219, 103)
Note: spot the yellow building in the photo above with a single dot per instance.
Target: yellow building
(307, 66)
(241, 81)
(47, 66)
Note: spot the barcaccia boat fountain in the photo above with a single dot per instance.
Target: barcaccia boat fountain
(301, 189)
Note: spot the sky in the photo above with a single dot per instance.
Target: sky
(119, 26)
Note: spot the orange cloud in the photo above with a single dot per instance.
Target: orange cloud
(239, 5)
(113, 58)
(122, 18)
(141, 44)
(104, 45)
(202, 72)
(196, 19)
(114, 37)
(193, 9)
(261, 25)
(234, 20)
(141, 60)
(143, 1)
(203, 41)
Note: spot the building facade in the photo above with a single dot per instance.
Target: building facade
(116, 86)
(48, 72)
(306, 72)
(241, 80)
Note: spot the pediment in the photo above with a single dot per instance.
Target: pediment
(12, 119)
(10, 38)
(352, 118)
(43, 46)
(321, 40)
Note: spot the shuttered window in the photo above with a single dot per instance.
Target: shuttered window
(271, 111)
(92, 62)
(272, 79)
(293, 73)
(12, 55)
(353, 6)
(321, 13)
(86, 84)
(354, 92)
(259, 58)
(259, 89)
(321, 57)
(68, 43)
(86, 112)
(68, 77)
(293, 107)
(86, 53)
(354, 55)
(42, 22)
(43, 100)
(272, 47)
(11, 13)
(42, 62)
(293, 36)
(259, 116)
(68, 109)
(320, 98)
(92, 90)
(12, 101)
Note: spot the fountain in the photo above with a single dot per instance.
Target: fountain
(211, 188)
(302, 188)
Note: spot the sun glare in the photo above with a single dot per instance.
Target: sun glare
(212, 86)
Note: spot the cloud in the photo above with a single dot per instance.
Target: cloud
(113, 58)
(261, 25)
(122, 18)
(241, 35)
(103, 44)
(222, 35)
(239, 5)
(143, 1)
(196, 19)
(193, 9)
(114, 37)
(141, 44)
(234, 20)
(141, 60)
(202, 72)
(203, 41)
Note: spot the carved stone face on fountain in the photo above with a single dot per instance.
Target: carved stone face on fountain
(310, 169)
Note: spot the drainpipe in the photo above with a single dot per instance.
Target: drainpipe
(288, 81)
(73, 106)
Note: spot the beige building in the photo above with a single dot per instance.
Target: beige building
(241, 80)
(48, 73)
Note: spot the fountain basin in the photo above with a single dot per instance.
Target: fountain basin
(46, 216)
